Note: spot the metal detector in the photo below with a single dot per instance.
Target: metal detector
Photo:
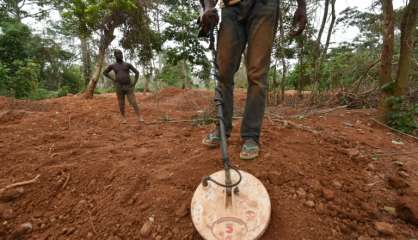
(230, 204)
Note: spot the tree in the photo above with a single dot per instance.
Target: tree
(387, 52)
(317, 49)
(183, 32)
(106, 16)
(142, 42)
(408, 39)
(16, 8)
(394, 107)
(27, 61)
(76, 21)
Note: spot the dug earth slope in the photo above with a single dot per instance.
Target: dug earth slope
(330, 174)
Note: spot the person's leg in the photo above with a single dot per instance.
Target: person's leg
(132, 101)
(261, 29)
(231, 44)
(121, 100)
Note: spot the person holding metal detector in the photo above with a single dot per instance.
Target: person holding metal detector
(123, 84)
(251, 23)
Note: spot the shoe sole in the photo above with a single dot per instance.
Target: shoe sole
(248, 158)
(210, 145)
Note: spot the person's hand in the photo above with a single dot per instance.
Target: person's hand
(208, 21)
(299, 21)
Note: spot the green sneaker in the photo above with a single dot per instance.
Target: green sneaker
(250, 150)
(212, 140)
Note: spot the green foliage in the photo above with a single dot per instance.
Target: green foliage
(14, 42)
(369, 24)
(20, 9)
(72, 79)
(171, 75)
(21, 81)
(4, 80)
(388, 88)
(63, 91)
(139, 38)
(83, 17)
(182, 31)
(401, 115)
(28, 61)
(104, 90)
(42, 93)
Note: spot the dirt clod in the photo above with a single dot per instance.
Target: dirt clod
(397, 182)
(328, 194)
(6, 212)
(183, 210)
(352, 153)
(403, 174)
(22, 230)
(310, 203)
(384, 228)
(337, 184)
(407, 209)
(301, 192)
(11, 194)
(146, 229)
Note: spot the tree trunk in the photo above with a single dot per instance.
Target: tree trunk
(408, 26)
(186, 75)
(147, 76)
(106, 39)
(387, 52)
(274, 92)
(331, 28)
(324, 21)
(301, 69)
(146, 83)
(275, 83)
(317, 50)
(86, 60)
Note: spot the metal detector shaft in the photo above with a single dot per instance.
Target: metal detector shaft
(219, 105)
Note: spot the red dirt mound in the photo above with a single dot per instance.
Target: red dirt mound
(329, 174)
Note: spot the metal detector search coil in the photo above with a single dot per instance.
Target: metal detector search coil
(245, 217)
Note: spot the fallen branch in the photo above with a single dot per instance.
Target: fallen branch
(361, 78)
(180, 121)
(319, 112)
(395, 130)
(295, 125)
(20, 184)
(275, 117)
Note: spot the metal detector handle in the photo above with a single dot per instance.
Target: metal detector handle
(222, 132)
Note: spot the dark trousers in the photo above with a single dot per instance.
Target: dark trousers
(128, 91)
(252, 23)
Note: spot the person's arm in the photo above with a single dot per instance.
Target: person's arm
(136, 74)
(208, 4)
(209, 18)
(299, 19)
(107, 71)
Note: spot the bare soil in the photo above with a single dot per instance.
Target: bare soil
(330, 174)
